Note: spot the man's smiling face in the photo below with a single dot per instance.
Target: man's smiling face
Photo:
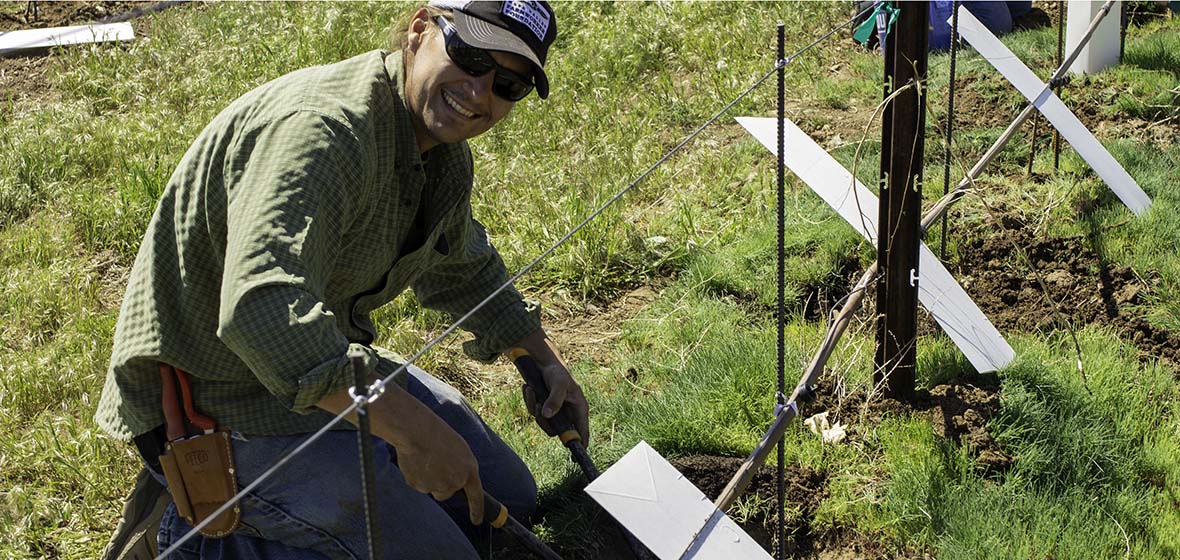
(447, 104)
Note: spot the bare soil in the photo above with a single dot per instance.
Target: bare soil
(1027, 282)
(975, 110)
(959, 411)
(1090, 110)
(40, 15)
(1023, 282)
(25, 75)
(804, 489)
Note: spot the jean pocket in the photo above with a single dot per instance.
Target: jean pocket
(172, 530)
(272, 521)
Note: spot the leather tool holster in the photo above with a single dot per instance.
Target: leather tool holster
(199, 468)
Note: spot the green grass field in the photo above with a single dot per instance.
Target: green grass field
(1096, 471)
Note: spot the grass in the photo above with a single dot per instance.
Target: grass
(1096, 473)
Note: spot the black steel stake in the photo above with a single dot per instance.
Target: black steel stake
(781, 491)
(899, 227)
(950, 121)
(1057, 89)
(364, 439)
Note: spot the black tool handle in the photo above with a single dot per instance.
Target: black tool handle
(496, 515)
(531, 372)
(566, 431)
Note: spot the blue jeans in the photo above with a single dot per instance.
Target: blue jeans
(313, 506)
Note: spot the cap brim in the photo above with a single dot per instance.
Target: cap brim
(479, 33)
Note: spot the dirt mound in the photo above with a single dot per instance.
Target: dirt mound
(1067, 283)
(804, 489)
(958, 410)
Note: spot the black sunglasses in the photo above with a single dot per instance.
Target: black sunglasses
(477, 62)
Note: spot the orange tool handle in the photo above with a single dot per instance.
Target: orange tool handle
(173, 418)
(496, 515)
(195, 418)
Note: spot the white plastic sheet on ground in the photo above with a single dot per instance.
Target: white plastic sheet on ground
(1043, 98)
(60, 36)
(938, 291)
(649, 497)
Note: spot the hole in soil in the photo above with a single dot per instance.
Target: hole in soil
(958, 411)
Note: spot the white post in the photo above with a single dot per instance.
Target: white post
(1102, 51)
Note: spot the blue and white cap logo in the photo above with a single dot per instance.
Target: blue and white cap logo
(529, 13)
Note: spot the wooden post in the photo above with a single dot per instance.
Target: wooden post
(899, 222)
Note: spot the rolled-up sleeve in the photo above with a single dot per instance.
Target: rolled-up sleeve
(290, 201)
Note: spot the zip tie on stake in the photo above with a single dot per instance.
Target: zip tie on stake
(780, 403)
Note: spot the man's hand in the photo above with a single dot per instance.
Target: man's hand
(564, 391)
(433, 458)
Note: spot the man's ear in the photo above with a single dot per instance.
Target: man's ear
(418, 26)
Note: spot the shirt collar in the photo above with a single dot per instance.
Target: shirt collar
(403, 124)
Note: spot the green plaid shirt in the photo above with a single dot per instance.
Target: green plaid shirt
(300, 209)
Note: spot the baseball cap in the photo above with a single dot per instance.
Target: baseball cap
(523, 27)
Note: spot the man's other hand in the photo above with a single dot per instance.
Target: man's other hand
(432, 456)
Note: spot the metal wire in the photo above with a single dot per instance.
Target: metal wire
(378, 388)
